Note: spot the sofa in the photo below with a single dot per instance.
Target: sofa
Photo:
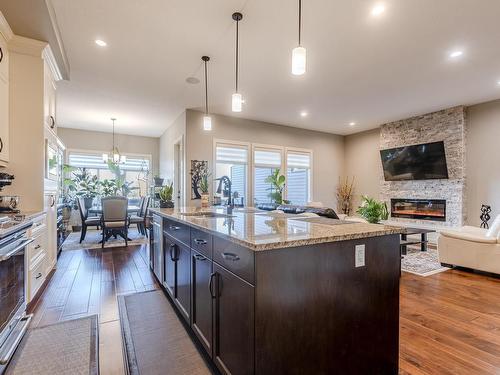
(296, 209)
(471, 247)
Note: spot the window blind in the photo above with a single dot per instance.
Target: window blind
(267, 158)
(94, 161)
(231, 154)
(298, 160)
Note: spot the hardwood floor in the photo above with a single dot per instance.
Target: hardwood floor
(86, 282)
(449, 322)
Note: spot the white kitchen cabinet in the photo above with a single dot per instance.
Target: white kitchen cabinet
(51, 222)
(4, 102)
(49, 100)
(36, 256)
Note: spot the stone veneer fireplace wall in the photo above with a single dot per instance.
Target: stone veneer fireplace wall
(448, 125)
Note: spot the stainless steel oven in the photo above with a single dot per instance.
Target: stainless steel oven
(13, 318)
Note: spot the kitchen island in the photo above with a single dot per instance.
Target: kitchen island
(271, 293)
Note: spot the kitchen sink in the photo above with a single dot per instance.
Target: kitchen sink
(204, 214)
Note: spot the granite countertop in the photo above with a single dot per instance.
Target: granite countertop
(263, 230)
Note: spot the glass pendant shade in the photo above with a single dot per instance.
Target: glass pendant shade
(236, 102)
(105, 158)
(298, 61)
(207, 123)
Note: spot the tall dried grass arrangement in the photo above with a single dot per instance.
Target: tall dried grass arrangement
(345, 191)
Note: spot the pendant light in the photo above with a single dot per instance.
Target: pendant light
(299, 52)
(207, 120)
(115, 153)
(236, 99)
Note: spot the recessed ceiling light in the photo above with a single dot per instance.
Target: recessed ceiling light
(101, 43)
(456, 54)
(192, 80)
(352, 123)
(498, 83)
(303, 114)
(378, 9)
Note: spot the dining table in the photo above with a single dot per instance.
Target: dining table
(97, 210)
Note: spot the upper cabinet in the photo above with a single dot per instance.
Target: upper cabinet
(49, 100)
(4, 91)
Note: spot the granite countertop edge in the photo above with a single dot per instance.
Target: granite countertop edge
(384, 230)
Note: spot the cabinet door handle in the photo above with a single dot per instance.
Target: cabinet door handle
(200, 241)
(37, 247)
(172, 250)
(211, 284)
(38, 275)
(199, 257)
(52, 122)
(172, 227)
(53, 201)
(1, 54)
(1, 144)
(230, 256)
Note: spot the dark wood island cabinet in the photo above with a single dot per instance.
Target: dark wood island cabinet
(302, 298)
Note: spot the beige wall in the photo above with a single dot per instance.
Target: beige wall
(172, 135)
(483, 156)
(98, 141)
(328, 149)
(362, 161)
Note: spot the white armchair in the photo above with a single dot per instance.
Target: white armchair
(471, 247)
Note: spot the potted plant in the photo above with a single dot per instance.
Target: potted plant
(205, 197)
(82, 184)
(158, 180)
(373, 210)
(277, 182)
(165, 194)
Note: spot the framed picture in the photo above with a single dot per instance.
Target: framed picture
(51, 161)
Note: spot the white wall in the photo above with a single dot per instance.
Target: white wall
(77, 139)
(328, 149)
(362, 162)
(483, 157)
(171, 136)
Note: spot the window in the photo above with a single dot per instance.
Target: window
(135, 169)
(266, 162)
(231, 160)
(298, 177)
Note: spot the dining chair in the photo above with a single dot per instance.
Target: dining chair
(140, 218)
(93, 221)
(114, 220)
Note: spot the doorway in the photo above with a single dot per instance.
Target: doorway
(179, 172)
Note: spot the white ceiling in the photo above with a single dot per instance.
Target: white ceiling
(360, 68)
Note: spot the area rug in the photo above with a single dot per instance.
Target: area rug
(422, 263)
(70, 347)
(155, 340)
(93, 237)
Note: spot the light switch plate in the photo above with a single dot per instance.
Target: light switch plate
(359, 256)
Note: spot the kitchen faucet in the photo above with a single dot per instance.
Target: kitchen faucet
(227, 186)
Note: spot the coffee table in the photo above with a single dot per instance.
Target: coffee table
(423, 239)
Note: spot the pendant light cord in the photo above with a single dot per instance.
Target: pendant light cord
(113, 135)
(300, 20)
(237, 52)
(206, 88)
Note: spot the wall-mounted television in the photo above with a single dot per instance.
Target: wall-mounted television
(418, 162)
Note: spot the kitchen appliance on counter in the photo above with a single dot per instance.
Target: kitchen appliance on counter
(13, 319)
(8, 204)
(5, 179)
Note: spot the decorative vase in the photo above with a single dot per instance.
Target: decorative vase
(345, 206)
(205, 200)
(158, 181)
(166, 204)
